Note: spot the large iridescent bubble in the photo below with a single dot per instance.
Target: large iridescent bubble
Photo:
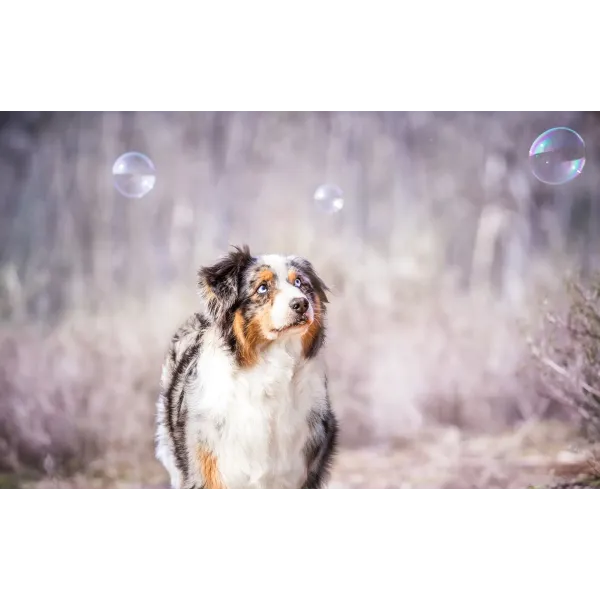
(557, 156)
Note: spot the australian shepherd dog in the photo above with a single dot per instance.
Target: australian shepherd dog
(244, 400)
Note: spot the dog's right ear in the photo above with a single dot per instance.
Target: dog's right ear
(219, 284)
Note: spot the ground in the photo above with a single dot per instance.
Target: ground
(532, 455)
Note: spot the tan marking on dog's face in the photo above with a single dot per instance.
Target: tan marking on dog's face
(210, 470)
(262, 320)
(251, 335)
(265, 275)
(314, 328)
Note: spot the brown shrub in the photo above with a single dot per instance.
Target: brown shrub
(567, 346)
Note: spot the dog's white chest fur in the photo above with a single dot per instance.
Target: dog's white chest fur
(255, 421)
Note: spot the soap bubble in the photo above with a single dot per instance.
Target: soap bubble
(329, 198)
(133, 174)
(557, 156)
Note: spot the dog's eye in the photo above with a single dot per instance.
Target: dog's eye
(297, 283)
(262, 289)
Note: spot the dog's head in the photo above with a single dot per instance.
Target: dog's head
(258, 300)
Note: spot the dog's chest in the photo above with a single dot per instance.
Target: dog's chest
(256, 420)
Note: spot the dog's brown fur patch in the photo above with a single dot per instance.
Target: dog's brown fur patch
(266, 275)
(210, 470)
(250, 337)
(314, 329)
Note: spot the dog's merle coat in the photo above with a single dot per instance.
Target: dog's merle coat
(244, 400)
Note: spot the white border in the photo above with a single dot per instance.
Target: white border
(289, 56)
(374, 544)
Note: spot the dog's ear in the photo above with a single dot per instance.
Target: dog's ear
(219, 284)
(317, 283)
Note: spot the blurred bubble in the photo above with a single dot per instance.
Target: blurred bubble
(133, 174)
(329, 198)
(557, 156)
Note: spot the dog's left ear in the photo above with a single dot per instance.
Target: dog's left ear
(220, 283)
(318, 284)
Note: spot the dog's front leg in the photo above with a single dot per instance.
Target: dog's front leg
(320, 448)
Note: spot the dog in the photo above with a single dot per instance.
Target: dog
(244, 400)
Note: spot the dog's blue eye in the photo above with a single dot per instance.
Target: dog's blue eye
(262, 289)
(297, 283)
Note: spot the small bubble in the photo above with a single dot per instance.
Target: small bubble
(133, 174)
(329, 198)
(557, 156)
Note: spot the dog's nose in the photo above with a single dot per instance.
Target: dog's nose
(299, 305)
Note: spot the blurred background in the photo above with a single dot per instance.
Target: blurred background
(447, 263)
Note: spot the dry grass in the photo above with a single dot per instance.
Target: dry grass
(548, 453)
(531, 454)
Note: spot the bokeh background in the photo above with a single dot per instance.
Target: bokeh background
(442, 263)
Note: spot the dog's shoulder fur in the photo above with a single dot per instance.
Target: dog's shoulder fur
(244, 400)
